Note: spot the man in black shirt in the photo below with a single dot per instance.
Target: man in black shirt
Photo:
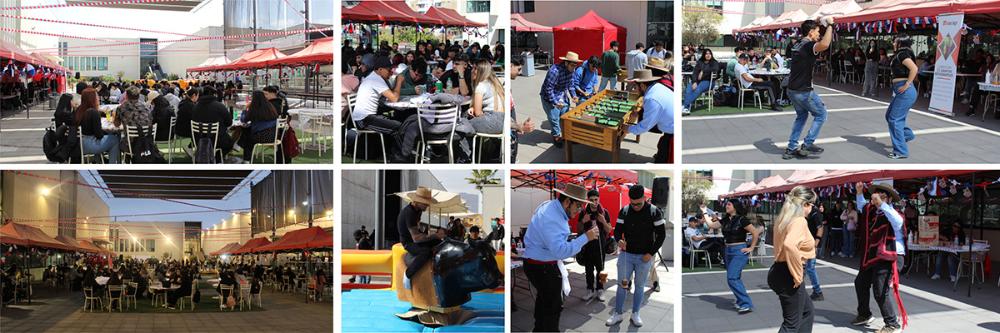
(416, 240)
(802, 60)
(817, 227)
(592, 254)
(640, 231)
(210, 110)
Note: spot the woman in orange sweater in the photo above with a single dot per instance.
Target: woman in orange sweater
(793, 245)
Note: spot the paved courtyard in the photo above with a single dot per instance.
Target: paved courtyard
(932, 305)
(537, 147)
(61, 311)
(855, 132)
(579, 315)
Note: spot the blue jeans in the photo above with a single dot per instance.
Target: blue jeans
(952, 263)
(735, 261)
(811, 273)
(629, 263)
(895, 116)
(806, 103)
(691, 95)
(554, 113)
(108, 143)
(612, 80)
(848, 247)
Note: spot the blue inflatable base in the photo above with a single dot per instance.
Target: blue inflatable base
(375, 311)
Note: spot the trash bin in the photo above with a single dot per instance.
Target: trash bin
(528, 60)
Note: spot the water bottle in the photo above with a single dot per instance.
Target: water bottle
(439, 86)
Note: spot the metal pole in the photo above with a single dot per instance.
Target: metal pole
(309, 191)
(274, 203)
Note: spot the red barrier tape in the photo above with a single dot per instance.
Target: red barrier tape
(85, 4)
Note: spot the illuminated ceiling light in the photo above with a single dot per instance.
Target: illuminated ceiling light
(305, 203)
(44, 191)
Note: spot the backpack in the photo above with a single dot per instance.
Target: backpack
(204, 154)
(197, 296)
(144, 150)
(727, 96)
(290, 144)
(59, 146)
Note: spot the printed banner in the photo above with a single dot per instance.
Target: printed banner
(927, 230)
(949, 40)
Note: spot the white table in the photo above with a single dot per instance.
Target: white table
(109, 127)
(108, 107)
(977, 248)
(102, 280)
(406, 103)
(776, 72)
(989, 87)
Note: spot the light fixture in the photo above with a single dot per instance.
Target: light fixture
(44, 191)
(305, 203)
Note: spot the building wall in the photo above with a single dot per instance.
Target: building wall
(168, 237)
(22, 199)
(234, 229)
(176, 58)
(124, 58)
(365, 205)
(493, 205)
(7, 37)
(629, 14)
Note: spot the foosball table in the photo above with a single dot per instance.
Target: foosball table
(601, 122)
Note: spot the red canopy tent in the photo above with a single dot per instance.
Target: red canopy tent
(520, 24)
(839, 177)
(588, 35)
(451, 17)
(891, 9)
(386, 11)
(308, 238)
(257, 60)
(71, 242)
(90, 247)
(228, 248)
(26, 235)
(319, 51)
(537, 178)
(250, 245)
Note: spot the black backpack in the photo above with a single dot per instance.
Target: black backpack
(144, 150)
(204, 154)
(59, 146)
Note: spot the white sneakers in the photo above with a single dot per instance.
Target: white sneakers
(617, 318)
(614, 320)
(935, 277)
(636, 320)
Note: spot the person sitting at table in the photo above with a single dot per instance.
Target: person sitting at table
(277, 99)
(64, 109)
(132, 112)
(463, 71)
(701, 78)
(263, 119)
(94, 139)
(747, 81)
(185, 290)
(411, 77)
(949, 235)
(585, 78)
(162, 112)
(210, 110)
(700, 242)
(487, 110)
(184, 111)
(372, 90)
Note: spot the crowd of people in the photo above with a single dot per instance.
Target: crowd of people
(648, 72)
(453, 72)
(144, 103)
(636, 238)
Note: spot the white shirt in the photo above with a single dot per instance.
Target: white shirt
(657, 54)
(740, 69)
(780, 60)
(634, 60)
(369, 92)
(486, 90)
(690, 233)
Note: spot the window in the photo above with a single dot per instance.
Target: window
(659, 23)
(150, 245)
(102, 63)
(477, 6)
(522, 6)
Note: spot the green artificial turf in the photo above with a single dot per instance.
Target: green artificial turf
(308, 156)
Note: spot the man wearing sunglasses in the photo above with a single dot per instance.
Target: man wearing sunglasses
(640, 230)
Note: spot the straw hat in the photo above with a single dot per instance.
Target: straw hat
(571, 57)
(884, 188)
(153, 94)
(574, 191)
(422, 195)
(643, 75)
(658, 64)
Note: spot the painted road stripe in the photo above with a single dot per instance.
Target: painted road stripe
(22, 159)
(23, 130)
(877, 135)
(835, 94)
(781, 113)
(756, 291)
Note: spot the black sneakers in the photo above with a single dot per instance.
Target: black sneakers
(812, 149)
(862, 321)
(816, 296)
(790, 154)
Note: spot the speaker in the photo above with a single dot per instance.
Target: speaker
(661, 191)
(77, 75)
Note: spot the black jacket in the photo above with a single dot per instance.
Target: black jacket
(707, 69)
(643, 230)
(162, 112)
(210, 110)
(184, 111)
(91, 124)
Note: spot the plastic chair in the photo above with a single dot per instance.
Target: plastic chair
(972, 260)
(756, 96)
(258, 296)
(130, 291)
(244, 295)
(113, 299)
(210, 130)
(83, 156)
(225, 290)
(280, 127)
(189, 298)
(435, 113)
(135, 132)
(352, 100)
(89, 300)
(170, 139)
(709, 96)
(693, 254)
(481, 138)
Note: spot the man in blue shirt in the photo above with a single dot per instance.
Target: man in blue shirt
(880, 227)
(585, 78)
(545, 244)
(657, 110)
(557, 92)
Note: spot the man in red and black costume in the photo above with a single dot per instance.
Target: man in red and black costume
(881, 229)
